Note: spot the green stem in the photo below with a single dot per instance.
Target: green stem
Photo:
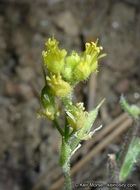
(66, 128)
(58, 127)
(72, 133)
(65, 162)
(67, 180)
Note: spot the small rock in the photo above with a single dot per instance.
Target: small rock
(122, 86)
(67, 22)
(21, 90)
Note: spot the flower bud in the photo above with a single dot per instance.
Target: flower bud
(58, 86)
(70, 63)
(82, 71)
(68, 73)
(73, 59)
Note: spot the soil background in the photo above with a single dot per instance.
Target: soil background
(29, 147)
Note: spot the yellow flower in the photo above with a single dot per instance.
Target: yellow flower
(53, 58)
(78, 68)
(58, 86)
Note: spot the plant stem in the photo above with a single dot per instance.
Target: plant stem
(58, 127)
(66, 128)
(66, 166)
(65, 162)
(67, 180)
(72, 133)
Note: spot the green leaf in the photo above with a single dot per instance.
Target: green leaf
(90, 120)
(131, 158)
(87, 125)
(133, 110)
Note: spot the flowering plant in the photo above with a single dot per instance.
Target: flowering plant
(64, 74)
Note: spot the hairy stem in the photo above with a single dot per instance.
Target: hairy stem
(66, 128)
(58, 127)
(66, 173)
(72, 133)
(65, 162)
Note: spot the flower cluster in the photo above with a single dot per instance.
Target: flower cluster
(64, 73)
(78, 68)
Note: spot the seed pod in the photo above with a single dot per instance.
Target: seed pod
(48, 102)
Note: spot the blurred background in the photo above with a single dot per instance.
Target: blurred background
(29, 147)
